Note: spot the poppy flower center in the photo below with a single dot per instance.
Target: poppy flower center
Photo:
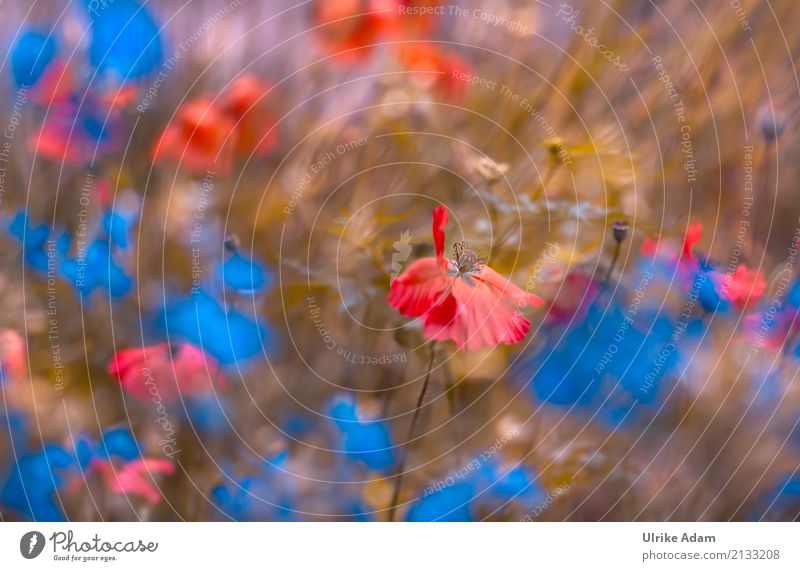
(466, 260)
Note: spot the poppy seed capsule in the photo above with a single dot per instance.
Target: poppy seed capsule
(620, 231)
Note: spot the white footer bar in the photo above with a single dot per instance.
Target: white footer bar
(357, 546)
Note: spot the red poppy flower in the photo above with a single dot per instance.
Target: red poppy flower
(165, 372)
(349, 29)
(419, 16)
(693, 235)
(462, 300)
(197, 138)
(744, 288)
(247, 104)
(651, 246)
(135, 477)
(442, 69)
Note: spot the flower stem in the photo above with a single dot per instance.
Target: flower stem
(607, 277)
(610, 270)
(412, 432)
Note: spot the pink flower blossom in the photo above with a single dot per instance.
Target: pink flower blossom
(135, 477)
(166, 371)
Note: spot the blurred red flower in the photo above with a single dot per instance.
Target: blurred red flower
(653, 247)
(166, 372)
(693, 235)
(462, 300)
(444, 70)
(206, 134)
(246, 103)
(135, 477)
(744, 288)
(420, 16)
(348, 30)
(196, 138)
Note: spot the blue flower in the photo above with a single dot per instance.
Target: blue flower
(118, 443)
(267, 495)
(793, 297)
(365, 441)
(561, 375)
(94, 268)
(272, 490)
(33, 481)
(114, 443)
(482, 485)
(452, 503)
(235, 499)
(118, 227)
(515, 484)
(228, 335)
(614, 360)
(296, 425)
(243, 275)
(707, 288)
(97, 270)
(30, 56)
(125, 39)
(33, 239)
(207, 414)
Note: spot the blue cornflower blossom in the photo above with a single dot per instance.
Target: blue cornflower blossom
(483, 486)
(227, 334)
(272, 490)
(267, 495)
(244, 275)
(126, 41)
(99, 267)
(34, 480)
(614, 360)
(35, 241)
(366, 441)
(207, 414)
(113, 443)
(97, 270)
(30, 56)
